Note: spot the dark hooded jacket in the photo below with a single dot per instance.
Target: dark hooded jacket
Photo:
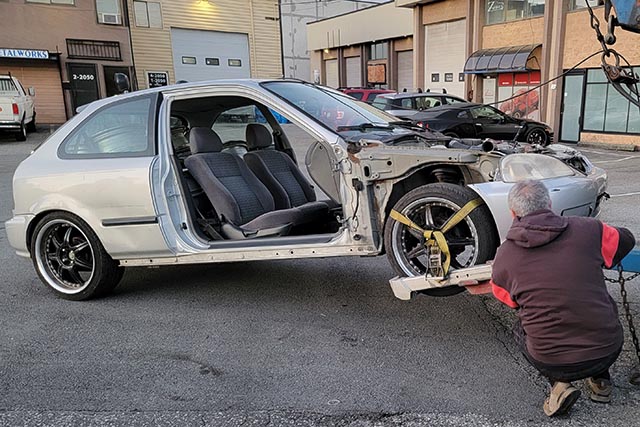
(550, 269)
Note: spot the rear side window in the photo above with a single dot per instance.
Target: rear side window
(451, 100)
(120, 130)
(7, 87)
(371, 97)
(231, 125)
(380, 102)
(356, 95)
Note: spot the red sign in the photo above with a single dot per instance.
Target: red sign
(534, 77)
(521, 79)
(505, 79)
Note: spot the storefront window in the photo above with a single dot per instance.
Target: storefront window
(379, 50)
(511, 10)
(580, 4)
(605, 110)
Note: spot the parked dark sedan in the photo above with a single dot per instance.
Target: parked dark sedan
(468, 120)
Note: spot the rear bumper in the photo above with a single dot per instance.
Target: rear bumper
(5, 124)
(16, 229)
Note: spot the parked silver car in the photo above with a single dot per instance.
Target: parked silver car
(208, 172)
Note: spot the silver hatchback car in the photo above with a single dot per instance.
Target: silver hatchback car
(266, 169)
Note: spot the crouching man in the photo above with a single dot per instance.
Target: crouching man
(550, 270)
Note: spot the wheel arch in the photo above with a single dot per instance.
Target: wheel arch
(429, 175)
(38, 218)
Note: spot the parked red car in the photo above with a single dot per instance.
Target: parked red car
(363, 93)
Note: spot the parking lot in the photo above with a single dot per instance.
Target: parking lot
(297, 342)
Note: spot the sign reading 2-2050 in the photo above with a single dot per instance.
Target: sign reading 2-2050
(83, 77)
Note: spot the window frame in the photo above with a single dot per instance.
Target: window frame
(146, 8)
(52, 3)
(152, 148)
(118, 12)
(505, 9)
(609, 87)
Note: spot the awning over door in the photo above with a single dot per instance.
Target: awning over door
(510, 59)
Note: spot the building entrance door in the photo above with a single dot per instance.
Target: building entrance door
(571, 113)
(84, 84)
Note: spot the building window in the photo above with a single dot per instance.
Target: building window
(379, 50)
(448, 77)
(234, 63)
(512, 10)
(605, 110)
(67, 2)
(148, 14)
(460, 77)
(435, 77)
(189, 60)
(212, 61)
(580, 4)
(109, 12)
(93, 49)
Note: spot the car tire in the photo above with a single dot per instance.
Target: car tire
(31, 127)
(473, 241)
(70, 259)
(537, 136)
(21, 135)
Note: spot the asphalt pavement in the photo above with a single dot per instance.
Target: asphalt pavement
(299, 342)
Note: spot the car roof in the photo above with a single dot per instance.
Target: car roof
(248, 83)
(366, 89)
(403, 95)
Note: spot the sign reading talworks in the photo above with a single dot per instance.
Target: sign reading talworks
(157, 78)
(24, 53)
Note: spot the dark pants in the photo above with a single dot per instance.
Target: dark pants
(597, 369)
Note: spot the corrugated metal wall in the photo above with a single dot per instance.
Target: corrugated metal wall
(152, 46)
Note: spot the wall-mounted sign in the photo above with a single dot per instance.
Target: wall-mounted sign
(157, 78)
(24, 53)
(376, 73)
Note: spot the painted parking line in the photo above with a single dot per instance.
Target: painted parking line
(595, 162)
(604, 152)
(635, 193)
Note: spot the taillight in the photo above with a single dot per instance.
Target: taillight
(15, 109)
(424, 125)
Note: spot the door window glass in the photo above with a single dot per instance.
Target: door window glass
(485, 112)
(119, 130)
(424, 102)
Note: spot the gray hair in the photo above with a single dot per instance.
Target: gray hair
(528, 196)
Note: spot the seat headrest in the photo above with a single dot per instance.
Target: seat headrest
(204, 140)
(258, 136)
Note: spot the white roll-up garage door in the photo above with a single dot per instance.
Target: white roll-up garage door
(445, 55)
(209, 55)
(405, 70)
(331, 77)
(354, 71)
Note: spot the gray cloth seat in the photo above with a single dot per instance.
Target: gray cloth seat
(279, 173)
(234, 191)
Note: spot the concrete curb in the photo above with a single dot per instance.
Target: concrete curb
(609, 146)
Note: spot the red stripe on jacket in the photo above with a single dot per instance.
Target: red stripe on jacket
(502, 295)
(610, 240)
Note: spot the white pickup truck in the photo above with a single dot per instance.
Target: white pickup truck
(17, 112)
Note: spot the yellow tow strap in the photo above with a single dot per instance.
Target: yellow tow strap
(436, 237)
